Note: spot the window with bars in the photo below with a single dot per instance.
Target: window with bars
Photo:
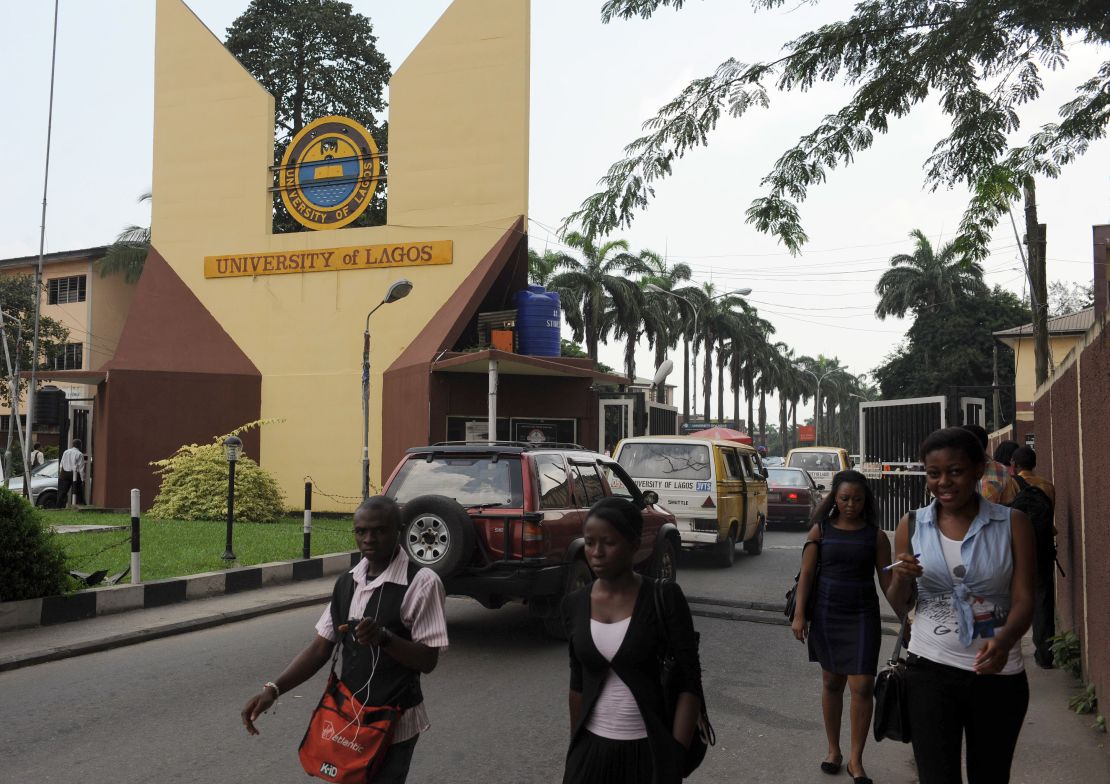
(62, 291)
(67, 357)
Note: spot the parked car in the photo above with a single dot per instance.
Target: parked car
(44, 484)
(822, 462)
(502, 522)
(715, 488)
(792, 495)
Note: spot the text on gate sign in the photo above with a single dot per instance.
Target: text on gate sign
(403, 254)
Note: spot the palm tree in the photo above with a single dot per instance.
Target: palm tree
(718, 320)
(541, 268)
(663, 314)
(127, 254)
(921, 281)
(598, 282)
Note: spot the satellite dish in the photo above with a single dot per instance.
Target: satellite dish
(663, 371)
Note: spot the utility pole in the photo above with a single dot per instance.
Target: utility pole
(1035, 242)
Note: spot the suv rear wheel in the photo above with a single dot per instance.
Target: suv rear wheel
(578, 576)
(665, 565)
(438, 533)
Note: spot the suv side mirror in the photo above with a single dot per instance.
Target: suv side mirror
(650, 498)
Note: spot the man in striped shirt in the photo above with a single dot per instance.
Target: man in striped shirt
(388, 616)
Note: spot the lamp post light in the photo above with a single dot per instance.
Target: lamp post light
(697, 311)
(398, 289)
(233, 449)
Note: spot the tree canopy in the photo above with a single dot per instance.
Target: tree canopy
(951, 346)
(317, 58)
(982, 60)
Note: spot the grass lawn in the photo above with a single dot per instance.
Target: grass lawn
(175, 548)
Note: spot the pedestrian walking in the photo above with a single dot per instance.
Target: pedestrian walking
(400, 632)
(968, 571)
(849, 550)
(996, 485)
(37, 457)
(620, 730)
(71, 471)
(1037, 498)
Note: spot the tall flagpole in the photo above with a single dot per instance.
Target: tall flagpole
(38, 271)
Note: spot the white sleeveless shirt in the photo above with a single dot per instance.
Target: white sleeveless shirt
(615, 714)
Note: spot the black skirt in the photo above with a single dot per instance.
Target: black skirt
(597, 760)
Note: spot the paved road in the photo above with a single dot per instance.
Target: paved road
(167, 710)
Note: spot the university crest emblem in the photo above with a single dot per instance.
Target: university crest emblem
(329, 172)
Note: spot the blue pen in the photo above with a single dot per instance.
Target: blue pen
(888, 568)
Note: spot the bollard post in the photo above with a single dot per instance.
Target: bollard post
(136, 558)
(307, 553)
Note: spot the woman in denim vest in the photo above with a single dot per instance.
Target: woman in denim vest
(971, 586)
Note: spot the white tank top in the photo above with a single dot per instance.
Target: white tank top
(934, 634)
(615, 714)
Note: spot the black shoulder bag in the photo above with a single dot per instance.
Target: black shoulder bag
(792, 594)
(892, 709)
(704, 735)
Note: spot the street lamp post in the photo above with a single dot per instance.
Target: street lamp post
(233, 448)
(817, 401)
(697, 311)
(398, 289)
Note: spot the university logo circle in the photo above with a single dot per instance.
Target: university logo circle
(329, 172)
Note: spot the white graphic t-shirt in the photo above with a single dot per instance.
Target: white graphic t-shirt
(934, 634)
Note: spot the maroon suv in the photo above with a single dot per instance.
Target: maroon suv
(503, 521)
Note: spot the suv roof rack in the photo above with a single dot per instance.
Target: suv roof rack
(515, 444)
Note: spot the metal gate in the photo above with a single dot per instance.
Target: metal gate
(890, 435)
(973, 411)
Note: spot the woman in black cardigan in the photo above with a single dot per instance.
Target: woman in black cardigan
(619, 728)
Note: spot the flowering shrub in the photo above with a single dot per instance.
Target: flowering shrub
(194, 484)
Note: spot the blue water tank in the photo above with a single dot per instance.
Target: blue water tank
(538, 320)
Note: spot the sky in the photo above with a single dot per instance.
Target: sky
(592, 85)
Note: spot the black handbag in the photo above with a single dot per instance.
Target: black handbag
(704, 735)
(892, 708)
(792, 594)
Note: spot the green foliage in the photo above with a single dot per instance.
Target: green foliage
(1066, 653)
(570, 349)
(951, 346)
(127, 254)
(927, 279)
(981, 60)
(194, 485)
(1087, 702)
(31, 559)
(1099, 723)
(317, 58)
(17, 300)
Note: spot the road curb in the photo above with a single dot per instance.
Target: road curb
(157, 632)
(82, 605)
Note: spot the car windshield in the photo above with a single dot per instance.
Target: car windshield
(665, 460)
(785, 477)
(469, 480)
(815, 461)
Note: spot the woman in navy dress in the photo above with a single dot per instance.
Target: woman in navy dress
(843, 632)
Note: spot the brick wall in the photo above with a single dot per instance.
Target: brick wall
(1072, 415)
